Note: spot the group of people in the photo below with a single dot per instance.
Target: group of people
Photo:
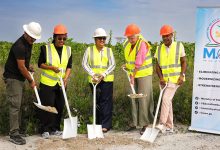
(99, 63)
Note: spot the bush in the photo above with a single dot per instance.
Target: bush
(80, 95)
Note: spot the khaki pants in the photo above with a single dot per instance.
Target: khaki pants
(166, 115)
(142, 108)
(14, 91)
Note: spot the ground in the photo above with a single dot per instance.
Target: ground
(181, 139)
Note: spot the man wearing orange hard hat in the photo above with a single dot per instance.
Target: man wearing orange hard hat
(139, 66)
(53, 57)
(171, 69)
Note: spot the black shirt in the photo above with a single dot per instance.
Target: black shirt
(21, 49)
(42, 57)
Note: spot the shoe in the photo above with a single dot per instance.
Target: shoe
(17, 139)
(131, 128)
(56, 133)
(23, 134)
(45, 135)
(142, 130)
(169, 130)
(105, 130)
(161, 127)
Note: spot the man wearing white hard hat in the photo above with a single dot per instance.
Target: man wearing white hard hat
(99, 63)
(15, 73)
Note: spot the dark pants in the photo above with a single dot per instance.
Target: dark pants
(14, 92)
(50, 96)
(104, 104)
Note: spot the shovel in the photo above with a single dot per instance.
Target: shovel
(133, 95)
(70, 124)
(38, 104)
(150, 134)
(94, 131)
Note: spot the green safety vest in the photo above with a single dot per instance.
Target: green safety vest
(49, 77)
(100, 64)
(146, 68)
(170, 63)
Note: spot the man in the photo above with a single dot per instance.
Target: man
(99, 63)
(171, 69)
(139, 65)
(16, 72)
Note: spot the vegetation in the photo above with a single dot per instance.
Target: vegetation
(80, 95)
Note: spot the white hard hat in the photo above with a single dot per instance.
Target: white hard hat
(99, 32)
(33, 29)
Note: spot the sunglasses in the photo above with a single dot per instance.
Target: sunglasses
(101, 38)
(60, 38)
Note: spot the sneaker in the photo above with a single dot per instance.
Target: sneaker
(17, 139)
(143, 130)
(161, 127)
(169, 130)
(23, 134)
(45, 135)
(56, 133)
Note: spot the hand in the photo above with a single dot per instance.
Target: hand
(101, 77)
(132, 79)
(95, 78)
(123, 66)
(56, 69)
(65, 82)
(32, 84)
(162, 82)
(180, 80)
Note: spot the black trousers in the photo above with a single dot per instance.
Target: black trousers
(104, 104)
(50, 96)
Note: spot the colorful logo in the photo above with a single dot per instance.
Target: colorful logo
(213, 33)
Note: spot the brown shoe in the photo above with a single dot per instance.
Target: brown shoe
(104, 130)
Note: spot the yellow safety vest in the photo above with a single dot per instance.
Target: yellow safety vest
(49, 77)
(100, 64)
(146, 68)
(170, 63)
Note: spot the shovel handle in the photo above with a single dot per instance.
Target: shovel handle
(158, 104)
(35, 88)
(65, 97)
(131, 85)
(94, 102)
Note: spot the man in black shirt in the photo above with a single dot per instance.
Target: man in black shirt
(16, 71)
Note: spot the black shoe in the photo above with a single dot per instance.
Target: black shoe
(17, 139)
(142, 130)
(131, 128)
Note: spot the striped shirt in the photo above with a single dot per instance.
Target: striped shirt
(87, 67)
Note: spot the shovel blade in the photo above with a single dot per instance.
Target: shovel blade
(137, 95)
(150, 135)
(47, 108)
(94, 131)
(70, 129)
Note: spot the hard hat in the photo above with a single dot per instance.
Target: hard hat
(132, 29)
(33, 29)
(60, 29)
(166, 29)
(99, 32)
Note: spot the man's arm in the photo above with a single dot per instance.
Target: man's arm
(24, 72)
(160, 74)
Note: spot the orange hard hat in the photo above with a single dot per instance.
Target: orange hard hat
(166, 29)
(132, 29)
(60, 29)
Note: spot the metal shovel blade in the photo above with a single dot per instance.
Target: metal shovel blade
(137, 95)
(47, 108)
(70, 129)
(94, 131)
(150, 135)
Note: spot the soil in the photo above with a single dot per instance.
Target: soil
(181, 139)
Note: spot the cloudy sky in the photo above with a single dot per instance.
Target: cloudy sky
(82, 17)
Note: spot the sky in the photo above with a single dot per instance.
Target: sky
(82, 17)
